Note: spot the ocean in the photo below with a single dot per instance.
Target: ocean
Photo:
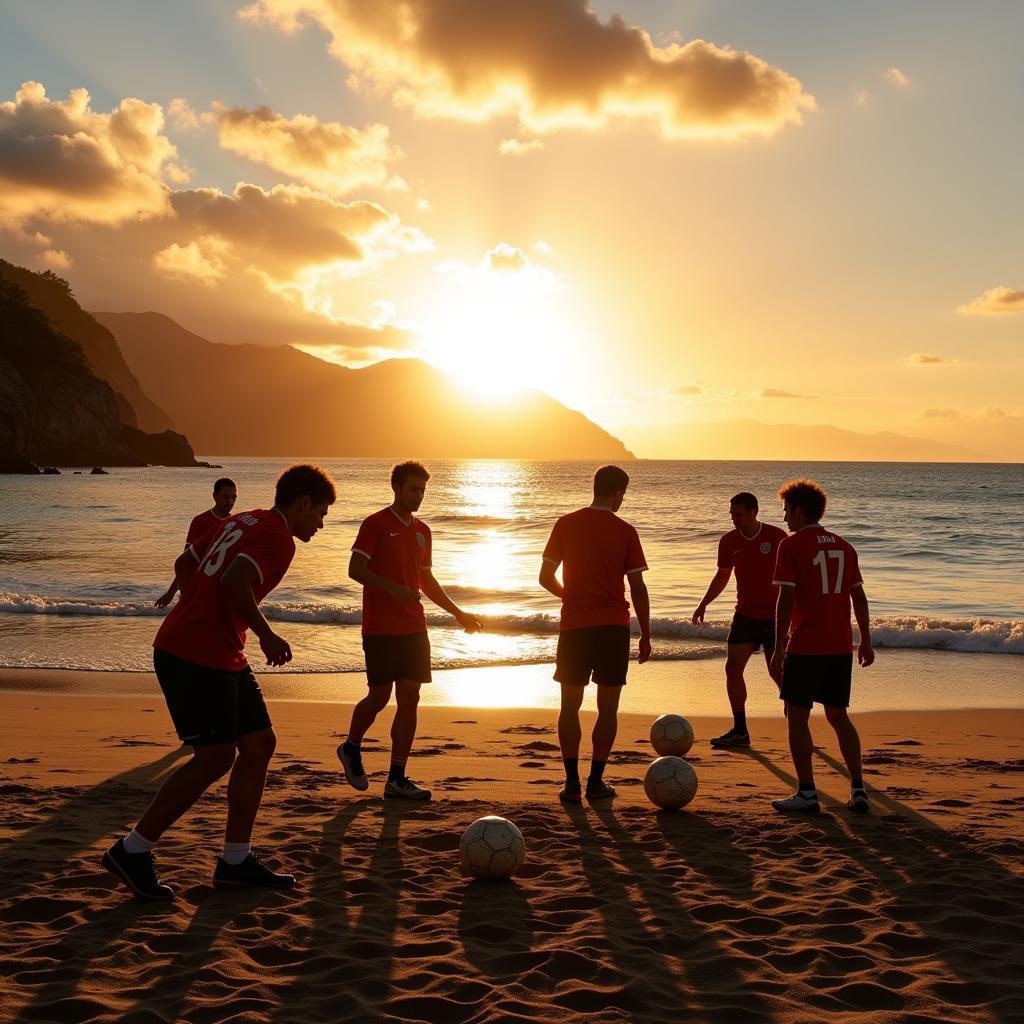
(83, 557)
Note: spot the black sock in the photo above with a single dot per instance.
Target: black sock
(739, 721)
(396, 772)
(807, 787)
(596, 771)
(572, 771)
(857, 784)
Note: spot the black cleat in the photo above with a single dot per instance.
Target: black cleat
(600, 791)
(733, 738)
(137, 871)
(571, 794)
(252, 873)
(858, 801)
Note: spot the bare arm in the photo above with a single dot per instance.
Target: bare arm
(549, 581)
(865, 652)
(783, 617)
(360, 571)
(436, 593)
(642, 606)
(715, 587)
(237, 583)
(179, 580)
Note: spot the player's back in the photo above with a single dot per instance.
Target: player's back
(823, 569)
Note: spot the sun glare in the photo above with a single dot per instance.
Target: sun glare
(500, 332)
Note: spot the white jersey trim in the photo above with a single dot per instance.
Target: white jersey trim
(782, 583)
(358, 551)
(639, 568)
(195, 554)
(242, 554)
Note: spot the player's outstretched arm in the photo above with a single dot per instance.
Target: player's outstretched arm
(641, 601)
(865, 652)
(469, 622)
(237, 583)
(715, 587)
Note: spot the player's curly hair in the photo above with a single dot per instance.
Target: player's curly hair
(404, 470)
(304, 481)
(805, 495)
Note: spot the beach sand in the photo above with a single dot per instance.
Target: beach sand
(722, 912)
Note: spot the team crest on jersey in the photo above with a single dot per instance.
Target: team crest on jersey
(421, 540)
(766, 546)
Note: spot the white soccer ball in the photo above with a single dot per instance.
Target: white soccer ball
(670, 782)
(671, 734)
(492, 847)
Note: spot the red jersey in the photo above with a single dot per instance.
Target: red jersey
(203, 524)
(753, 559)
(202, 627)
(397, 551)
(823, 568)
(596, 550)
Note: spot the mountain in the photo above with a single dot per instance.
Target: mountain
(52, 295)
(54, 409)
(260, 400)
(787, 442)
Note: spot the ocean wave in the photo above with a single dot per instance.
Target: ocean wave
(982, 636)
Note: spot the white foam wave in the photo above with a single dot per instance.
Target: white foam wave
(988, 636)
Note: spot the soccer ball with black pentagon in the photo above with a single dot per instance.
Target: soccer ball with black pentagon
(492, 847)
(670, 782)
(671, 734)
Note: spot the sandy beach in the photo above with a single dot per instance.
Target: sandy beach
(722, 912)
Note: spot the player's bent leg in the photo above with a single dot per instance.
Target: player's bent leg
(403, 733)
(735, 663)
(603, 738)
(247, 781)
(849, 744)
(137, 868)
(364, 714)
(569, 736)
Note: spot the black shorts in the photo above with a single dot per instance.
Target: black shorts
(759, 632)
(809, 679)
(601, 652)
(210, 705)
(391, 658)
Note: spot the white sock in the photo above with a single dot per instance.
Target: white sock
(235, 853)
(135, 842)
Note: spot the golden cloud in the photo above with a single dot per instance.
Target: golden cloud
(331, 157)
(62, 161)
(551, 63)
(780, 393)
(897, 77)
(994, 301)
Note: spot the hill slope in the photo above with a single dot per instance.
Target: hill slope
(257, 400)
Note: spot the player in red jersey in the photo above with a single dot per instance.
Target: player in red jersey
(750, 549)
(818, 578)
(224, 496)
(596, 549)
(211, 692)
(391, 558)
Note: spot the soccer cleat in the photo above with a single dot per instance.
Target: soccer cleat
(733, 738)
(798, 802)
(571, 794)
(252, 873)
(858, 801)
(137, 871)
(355, 774)
(600, 791)
(405, 789)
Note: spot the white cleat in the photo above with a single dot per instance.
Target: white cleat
(798, 802)
(354, 773)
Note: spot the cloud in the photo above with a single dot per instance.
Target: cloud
(860, 97)
(331, 157)
(197, 261)
(686, 390)
(994, 301)
(780, 393)
(516, 147)
(929, 359)
(504, 261)
(62, 161)
(940, 414)
(897, 77)
(552, 64)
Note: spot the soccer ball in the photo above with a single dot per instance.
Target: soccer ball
(670, 782)
(492, 847)
(671, 734)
